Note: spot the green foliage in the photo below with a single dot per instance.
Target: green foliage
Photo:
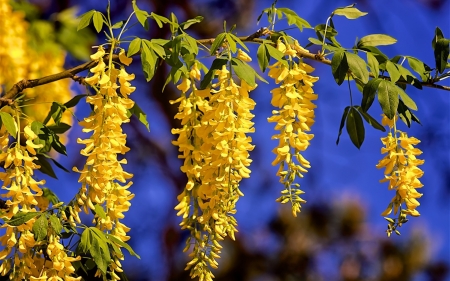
(21, 218)
(10, 124)
(355, 127)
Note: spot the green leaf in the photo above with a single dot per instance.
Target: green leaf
(379, 55)
(344, 117)
(122, 244)
(85, 241)
(293, 18)
(369, 119)
(45, 168)
(58, 145)
(40, 228)
(98, 21)
(393, 71)
(217, 64)
(61, 128)
(99, 250)
(320, 30)
(9, 123)
(118, 24)
(135, 46)
(55, 224)
(99, 211)
(21, 218)
(148, 60)
(74, 101)
(159, 19)
(47, 193)
(185, 25)
(141, 15)
(407, 100)
(339, 66)
(85, 19)
(239, 41)
(441, 52)
(217, 43)
(406, 115)
(140, 114)
(369, 92)
(158, 49)
(405, 73)
(56, 112)
(437, 35)
(358, 67)
(355, 127)
(418, 66)
(349, 12)
(173, 23)
(388, 98)
(263, 57)
(373, 64)
(276, 54)
(192, 42)
(376, 40)
(243, 71)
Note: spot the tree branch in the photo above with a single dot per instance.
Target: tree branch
(70, 73)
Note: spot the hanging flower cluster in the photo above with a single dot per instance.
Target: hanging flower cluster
(401, 171)
(293, 121)
(215, 148)
(104, 182)
(21, 259)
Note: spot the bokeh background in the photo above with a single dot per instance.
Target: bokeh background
(340, 234)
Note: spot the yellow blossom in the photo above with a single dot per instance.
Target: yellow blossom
(104, 183)
(215, 147)
(401, 170)
(293, 118)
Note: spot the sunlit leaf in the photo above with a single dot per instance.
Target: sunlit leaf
(21, 218)
(388, 98)
(40, 228)
(376, 40)
(349, 12)
(357, 66)
(85, 19)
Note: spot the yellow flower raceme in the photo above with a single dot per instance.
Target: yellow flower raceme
(23, 194)
(215, 148)
(401, 170)
(293, 119)
(104, 182)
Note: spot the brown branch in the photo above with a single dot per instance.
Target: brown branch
(31, 83)
(70, 73)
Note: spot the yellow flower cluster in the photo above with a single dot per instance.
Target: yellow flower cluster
(401, 169)
(215, 148)
(13, 46)
(293, 120)
(19, 61)
(104, 182)
(20, 259)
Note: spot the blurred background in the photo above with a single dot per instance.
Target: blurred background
(339, 235)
